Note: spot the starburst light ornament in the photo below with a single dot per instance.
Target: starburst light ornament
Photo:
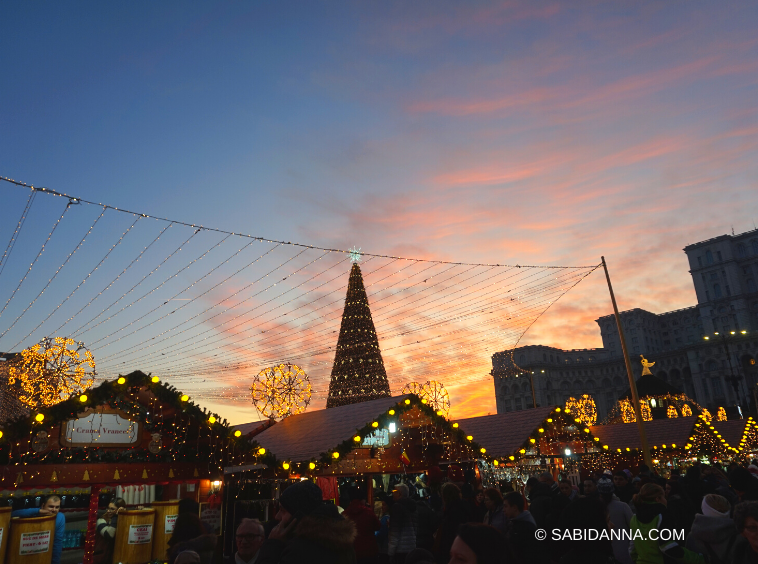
(52, 371)
(281, 391)
(355, 254)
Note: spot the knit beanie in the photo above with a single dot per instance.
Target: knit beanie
(302, 498)
(605, 485)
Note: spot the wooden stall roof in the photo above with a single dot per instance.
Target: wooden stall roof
(503, 433)
(252, 429)
(305, 436)
(731, 431)
(659, 432)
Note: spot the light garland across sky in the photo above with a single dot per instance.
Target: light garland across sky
(211, 307)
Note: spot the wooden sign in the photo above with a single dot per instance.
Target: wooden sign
(100, 429)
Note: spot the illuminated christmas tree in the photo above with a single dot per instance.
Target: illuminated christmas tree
(358, 373)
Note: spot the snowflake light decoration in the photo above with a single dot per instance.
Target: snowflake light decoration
(281, 391)
(52, 371)
(355, 254)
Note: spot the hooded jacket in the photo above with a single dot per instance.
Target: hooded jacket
(321, 537)
(714, 537)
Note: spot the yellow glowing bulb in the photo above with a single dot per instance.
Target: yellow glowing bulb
(155, 379)
(605, 447)
(455, 425)
(286, 465)
(511, 458)
(586, 430)
(558, 409)
(185, 397)
(523, 451)
(237, 433)
(312, 466)
(597, 439)
(261, 450)
(375, 424)
(357, 439)
(1, 434)
(495, 463)
(470, 438)
(627, 448)
(532, 441)
(335, 455)
(549, 420)
(121, 380)
(211, 420)
(391, 412)
(541, 430)
(423, 400)
(39, 417)
(440, 413)
(83, 398)
(482, 450)
(673, 445)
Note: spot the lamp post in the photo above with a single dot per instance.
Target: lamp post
(733, 378)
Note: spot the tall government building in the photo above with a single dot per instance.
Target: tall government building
(725, 274)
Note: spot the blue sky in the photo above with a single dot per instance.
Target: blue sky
(532, 132)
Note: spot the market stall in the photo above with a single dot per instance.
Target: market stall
(134, 437)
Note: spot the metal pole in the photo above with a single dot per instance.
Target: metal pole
(632, 384)
(534, 396)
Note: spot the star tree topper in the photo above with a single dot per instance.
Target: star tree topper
(355, 254)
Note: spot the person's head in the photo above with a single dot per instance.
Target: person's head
(741, 479)
(52, 504)
(650, 493)
(187, 557)
(399, 491)
(673, 487)
(478, 544)
(546, 478)
(590, 487)
(620, 479)
(605, 488)
(189, 505)
(249, 538)
(746, 521)
(566, 487)
(479, 496)
(450, 493)
(187, 527)
(530, 483)
(492, 498)
(715, 506)
(299, 500)
(513, 504)
(115, 504)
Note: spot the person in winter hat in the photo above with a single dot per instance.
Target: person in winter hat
(309, 530)
(713, 533)
(619, 518)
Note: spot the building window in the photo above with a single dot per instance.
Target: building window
(708, 257)
(754, 244)
(718, 254)
(741, 251)
(699, 261)
(707, 295)
(751, 285)
(717, 290)
(544, 357)
(717, 391)
(518, 404)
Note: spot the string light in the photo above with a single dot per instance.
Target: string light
(19, 226)
(721, 414)
(583, 409)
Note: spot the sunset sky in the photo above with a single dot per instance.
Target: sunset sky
(539, 133)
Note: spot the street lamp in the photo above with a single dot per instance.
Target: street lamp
(733, 379)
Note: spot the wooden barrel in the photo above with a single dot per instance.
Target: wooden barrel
(134, 536)
(165, 517)
(5, 523)
(31, 540)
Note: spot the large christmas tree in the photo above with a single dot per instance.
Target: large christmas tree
(358, 373)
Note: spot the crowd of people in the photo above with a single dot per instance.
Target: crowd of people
(710, 513)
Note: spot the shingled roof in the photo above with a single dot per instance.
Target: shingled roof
(731, 431)
(659, 432)
(503, 433)
(302, 437)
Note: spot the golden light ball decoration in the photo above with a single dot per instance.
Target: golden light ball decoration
(52, 371)
(721, 414)
(671, 412)
(583, 409)
(686, 411)
(281, 391)
(707, 415)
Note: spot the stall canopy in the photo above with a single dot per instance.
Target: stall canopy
(304, 437)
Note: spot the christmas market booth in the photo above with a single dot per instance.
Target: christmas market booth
(524, 443)
(136, 438)
(678, 442)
